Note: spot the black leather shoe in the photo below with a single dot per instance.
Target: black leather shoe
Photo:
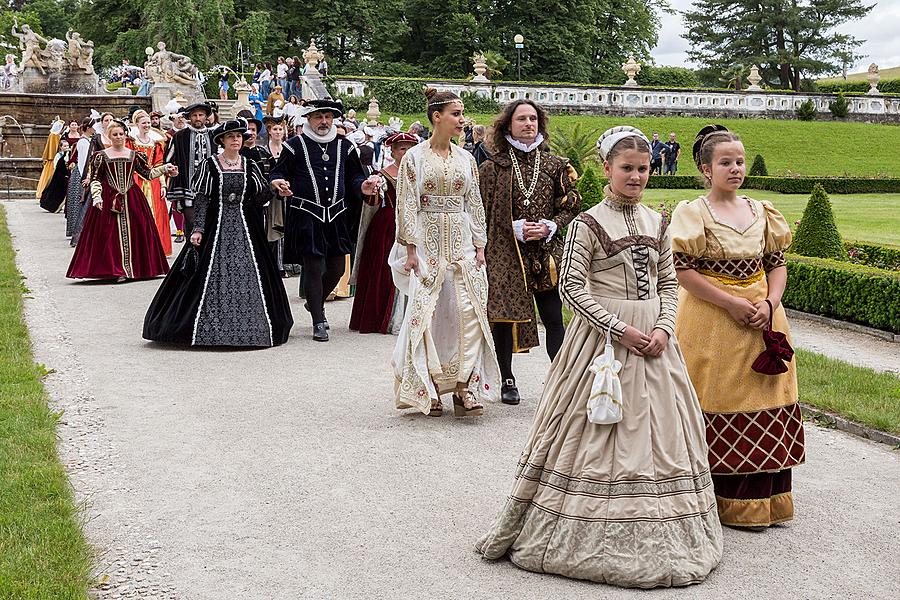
(509, 393)
(327, 326)
(320, 332)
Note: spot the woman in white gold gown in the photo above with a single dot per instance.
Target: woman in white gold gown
(445, 342)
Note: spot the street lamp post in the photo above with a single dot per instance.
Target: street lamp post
(519, 40)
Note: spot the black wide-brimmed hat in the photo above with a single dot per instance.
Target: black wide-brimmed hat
(335, 107)
(269, 120)
(251, 118)
(238, 125)
(204, 106)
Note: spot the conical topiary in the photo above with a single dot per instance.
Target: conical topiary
(758, 168)
(817, 234)
(590, 189)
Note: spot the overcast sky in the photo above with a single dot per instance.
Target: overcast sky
(879, 29)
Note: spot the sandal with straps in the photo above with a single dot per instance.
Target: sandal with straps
(437, 408)
(468, 407)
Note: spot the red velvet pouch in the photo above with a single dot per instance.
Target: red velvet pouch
(772, 360)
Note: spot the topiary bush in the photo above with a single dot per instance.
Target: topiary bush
(590, 188)
(758, 168)
(840, 108)
(806, 111)
(817, 234)
(844, 291)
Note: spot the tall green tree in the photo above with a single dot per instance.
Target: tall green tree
(788, 39)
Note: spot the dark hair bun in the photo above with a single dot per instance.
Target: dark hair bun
(430, 92)
(701, 137)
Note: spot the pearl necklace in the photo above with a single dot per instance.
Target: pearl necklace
(520, 181)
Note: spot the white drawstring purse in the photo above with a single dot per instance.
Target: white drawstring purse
(604, 405)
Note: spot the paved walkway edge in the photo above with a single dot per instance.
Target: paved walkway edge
(838, 324)
(832, 420)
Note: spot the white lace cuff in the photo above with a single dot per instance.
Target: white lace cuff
(517, 228)
(553, 227)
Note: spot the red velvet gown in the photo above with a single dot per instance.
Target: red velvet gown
(119, 239)
(373, 303)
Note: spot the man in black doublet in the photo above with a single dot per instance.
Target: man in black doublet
(319, 175)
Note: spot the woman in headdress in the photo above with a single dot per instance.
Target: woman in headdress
(98, 142)
(628, 503)
(445, 344)
(79, 162)
(378, 305)
(152, 145)
(223, 289)
(729, 252)
(119, 239)
(277, 129)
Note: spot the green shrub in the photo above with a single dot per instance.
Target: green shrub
(666, 77)
(806, 111)
(885, 86)
(590, 188)
(358, 103)
(844, 291)
(817, 235)
(758, 168)
(840, 107)
(476, 103)
(873, 255)
(578, 144)
(404, 96)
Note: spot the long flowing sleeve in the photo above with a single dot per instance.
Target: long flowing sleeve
(258, 190)
(667, 282)
(202, 184)
(576, 266)
(407, 202)
(475, 207)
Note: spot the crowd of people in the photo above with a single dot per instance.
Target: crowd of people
(459, 253)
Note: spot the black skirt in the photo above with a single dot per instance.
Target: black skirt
(55, 193)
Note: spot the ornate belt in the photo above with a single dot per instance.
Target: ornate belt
(442, 204)
(324, 214)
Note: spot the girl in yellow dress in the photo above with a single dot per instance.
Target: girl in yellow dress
(729, 254)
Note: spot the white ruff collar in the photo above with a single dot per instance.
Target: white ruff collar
(322, 139)
(520, 146)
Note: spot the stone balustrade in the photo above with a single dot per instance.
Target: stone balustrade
(631, 101)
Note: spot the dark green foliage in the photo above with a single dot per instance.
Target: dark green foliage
(885, 86)
(758, 168)
(806, 111)
(403, 96)
(357, 103)
(873, 255)
(817, 234)
(844, 291)
(577, 144)
(590, 188)
(666, 77)
(476, 103)
(840, 107)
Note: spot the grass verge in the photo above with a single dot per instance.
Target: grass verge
(43, 551)
(856, 393)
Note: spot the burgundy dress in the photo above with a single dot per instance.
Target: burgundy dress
(375, 296)
(119, 239)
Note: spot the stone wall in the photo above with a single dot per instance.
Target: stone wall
(42, 109)
(637, 101)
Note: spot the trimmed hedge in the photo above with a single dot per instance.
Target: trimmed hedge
(844, 291)
(873, 255)
(785, 185)
(885, 86)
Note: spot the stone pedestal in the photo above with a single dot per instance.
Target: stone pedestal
(313, 88)
(31, 81)
(162, 93)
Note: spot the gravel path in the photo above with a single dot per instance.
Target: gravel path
(849, 346)
(286, 473)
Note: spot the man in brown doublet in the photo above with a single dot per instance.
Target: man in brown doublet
(529, 198)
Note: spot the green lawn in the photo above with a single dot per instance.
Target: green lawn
(860, 217)
(861, 395)
(806, 148)
(43, 552)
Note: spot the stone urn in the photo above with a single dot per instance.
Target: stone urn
(242, 89)
(754, 78)
(312, 56)
(374, 112)
(631, 68)
(480, 67)
(873, 77)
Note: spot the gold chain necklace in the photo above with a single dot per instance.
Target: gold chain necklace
(528, 193)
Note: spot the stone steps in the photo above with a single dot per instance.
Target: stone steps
(16, 194)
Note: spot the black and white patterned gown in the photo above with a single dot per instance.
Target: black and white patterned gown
(227, 292)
